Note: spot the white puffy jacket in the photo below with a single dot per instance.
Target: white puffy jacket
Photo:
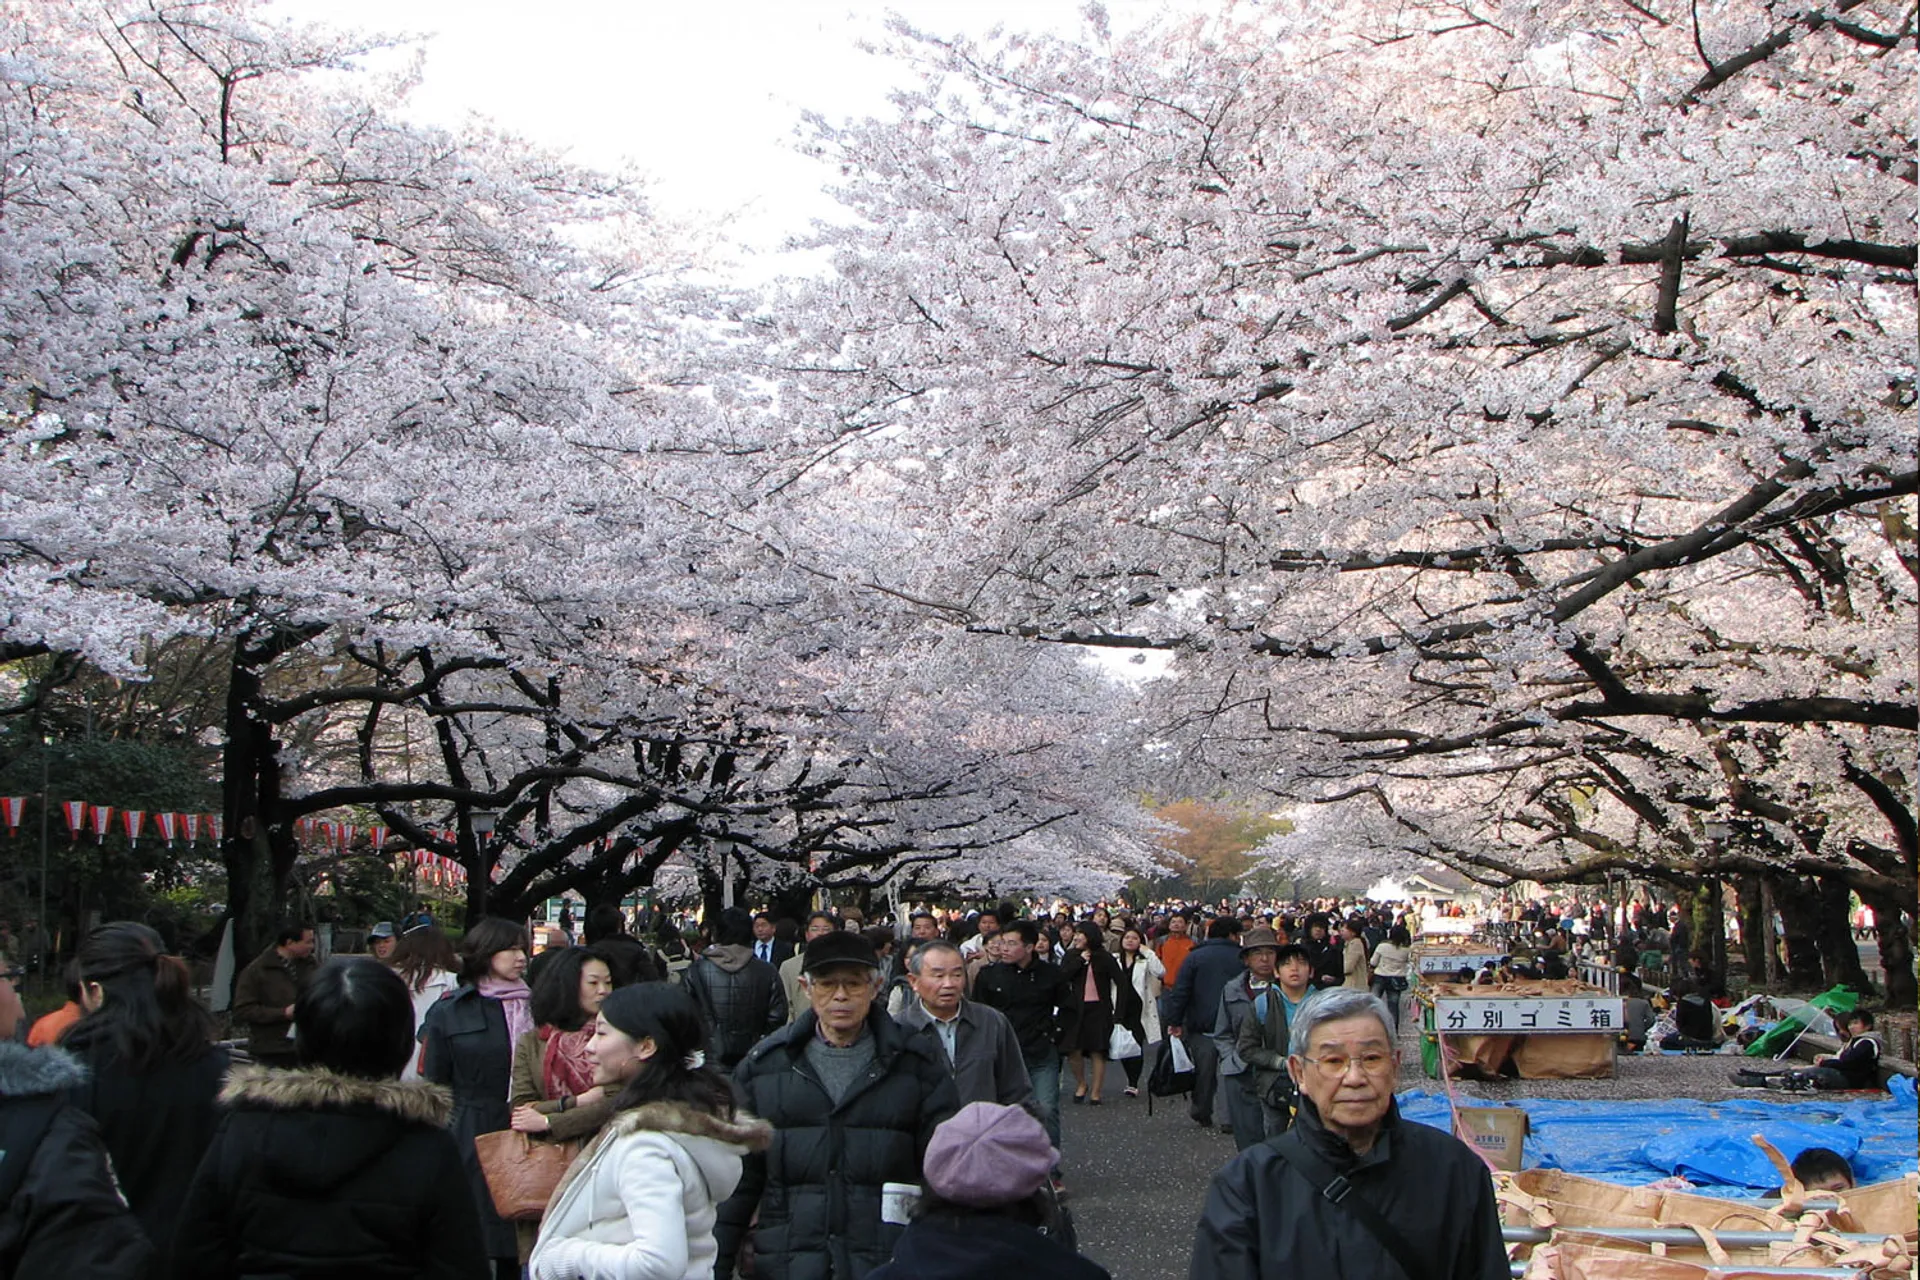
(639, 1202)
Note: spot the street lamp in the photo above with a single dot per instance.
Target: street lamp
(483, 822)
(46, 805)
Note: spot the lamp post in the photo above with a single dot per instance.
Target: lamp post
(482, 822)
(46, 804)
(723, 849)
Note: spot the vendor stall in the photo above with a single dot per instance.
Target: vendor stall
(1547, 1030)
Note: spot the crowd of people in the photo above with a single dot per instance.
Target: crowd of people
(791, 1100)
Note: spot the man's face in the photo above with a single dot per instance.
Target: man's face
(1178, 926)
(762, 930)
(1015, 950)
(1259, 962)
(301, 948)
(941, 981)
(841, 995)
(989, 924)
(1294, 973)
(925, 929)
(816, 928)
(1349, 1071)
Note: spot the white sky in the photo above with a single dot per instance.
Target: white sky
(704, 97)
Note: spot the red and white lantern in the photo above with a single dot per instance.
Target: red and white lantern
(12, 807)
(134, 820)
(76, 811)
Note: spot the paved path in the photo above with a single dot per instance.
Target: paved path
(1136, 1183)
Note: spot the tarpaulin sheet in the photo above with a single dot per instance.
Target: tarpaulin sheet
(1636, 1142)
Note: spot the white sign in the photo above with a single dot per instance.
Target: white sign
(1454, 925)
(1454, 961)
(1530, 1016)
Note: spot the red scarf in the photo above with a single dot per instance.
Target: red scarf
(565, 1071)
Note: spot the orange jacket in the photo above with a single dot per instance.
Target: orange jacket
(49, 1027)
(1173, 950)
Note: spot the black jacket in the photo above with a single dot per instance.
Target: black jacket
(818, 1187)
(1195, 1003)
(61, 1213)
(1035, 999)
(1264, 1221)
(314, 1176)
(741, 998)
(467, 1050)
(157, 1124)
(947, 1247)
(1328, 958)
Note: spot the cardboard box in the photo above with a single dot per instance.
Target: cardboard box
(1499, 1133)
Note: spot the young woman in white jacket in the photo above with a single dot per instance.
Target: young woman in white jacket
(639, 1203)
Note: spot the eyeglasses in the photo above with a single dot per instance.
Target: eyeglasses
(1334, 1065)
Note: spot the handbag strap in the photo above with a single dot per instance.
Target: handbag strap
(1336, 1189)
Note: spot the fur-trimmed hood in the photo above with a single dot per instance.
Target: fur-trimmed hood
(310, 1088)
(750, 1132)
(713, 1143)
(31, 1073)
(308, 1131)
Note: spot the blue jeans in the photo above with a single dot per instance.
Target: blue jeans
(1045, 1075)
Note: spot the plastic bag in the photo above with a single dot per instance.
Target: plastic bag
(1121, 1045)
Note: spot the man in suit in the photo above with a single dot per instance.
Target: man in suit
(767, 946)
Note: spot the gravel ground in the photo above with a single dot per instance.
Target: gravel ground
(1137, 1183)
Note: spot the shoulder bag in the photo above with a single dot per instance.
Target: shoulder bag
(1335, 1188)
(522, 1171)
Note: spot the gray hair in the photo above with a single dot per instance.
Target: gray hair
(917, 956)
(1332, 1005)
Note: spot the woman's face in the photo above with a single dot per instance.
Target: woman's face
(509, 965)
(596, 982)
(1130, 941)
(616, 1056)
(1084, 938)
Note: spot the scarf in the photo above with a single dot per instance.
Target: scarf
(565, 1071)
(515, 1001)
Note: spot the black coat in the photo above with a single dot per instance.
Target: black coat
(741, 998)
(314, 1176)
(1264, 1221)
(1035, 999)
(1328, 958)
(1088, 1025)
(818, 1187)
(60, 1213)
(948, 1247)
(157, 1124)
(467, 1050)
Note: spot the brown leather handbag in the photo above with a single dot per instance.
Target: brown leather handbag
(522, 1171)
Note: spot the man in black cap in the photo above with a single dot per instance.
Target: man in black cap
(853, 1098)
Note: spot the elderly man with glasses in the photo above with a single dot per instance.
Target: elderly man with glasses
(1350, 1192)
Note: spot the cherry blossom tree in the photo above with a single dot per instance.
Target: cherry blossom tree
(1504, 415)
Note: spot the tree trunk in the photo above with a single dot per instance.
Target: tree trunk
(793, 903)
(1797, 899)
(1894, 929)
(1755, 929)
(1839, 953)
(249, 787)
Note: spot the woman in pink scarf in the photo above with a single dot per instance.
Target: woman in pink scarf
(469, 1038)
(554, 1096)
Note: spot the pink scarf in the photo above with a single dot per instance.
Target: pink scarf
(515, 1001)
(565, 1070)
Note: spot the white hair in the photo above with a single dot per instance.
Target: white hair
(1333, 1005)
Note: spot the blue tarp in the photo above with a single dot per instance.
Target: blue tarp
(1707, 1142)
